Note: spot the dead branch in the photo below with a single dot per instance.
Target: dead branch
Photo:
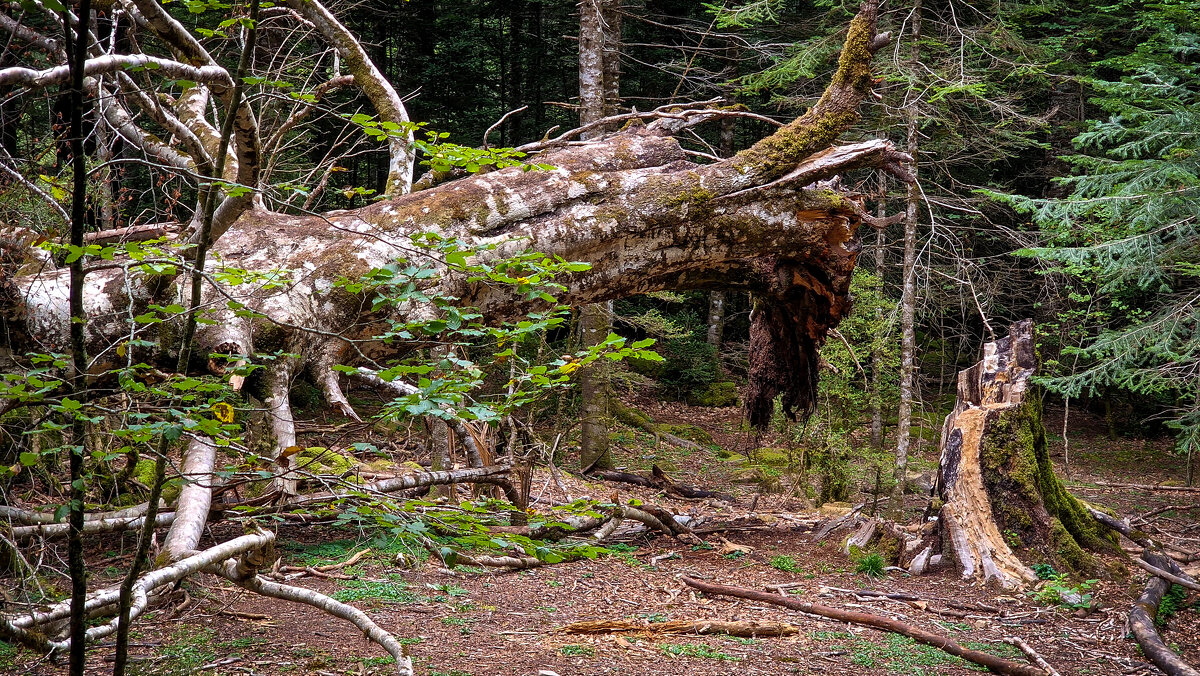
(338, 609)
(993, 663)
(1150, 487)
(1032, 654)
(703, 627)
(29, 517)
(1181, 580)
(54, 530)
(146, 584)
(372, 83)
(1141, 621)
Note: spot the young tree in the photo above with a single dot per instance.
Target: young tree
(1128, 225)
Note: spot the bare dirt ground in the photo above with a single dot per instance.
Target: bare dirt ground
(466, 624)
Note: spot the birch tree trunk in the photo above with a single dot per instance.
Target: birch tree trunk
(877, 350)
(908, 295)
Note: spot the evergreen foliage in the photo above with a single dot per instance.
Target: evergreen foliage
(1127, 227)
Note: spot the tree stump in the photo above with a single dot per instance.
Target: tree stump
(996, 487)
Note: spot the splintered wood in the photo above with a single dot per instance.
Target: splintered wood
(986, 391)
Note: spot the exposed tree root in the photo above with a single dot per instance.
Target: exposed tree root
(1164, 571)
(993, 663)
(743, 629)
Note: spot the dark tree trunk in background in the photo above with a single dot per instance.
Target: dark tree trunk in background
(599, 94)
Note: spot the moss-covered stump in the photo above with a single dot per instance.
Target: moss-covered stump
(996, 482)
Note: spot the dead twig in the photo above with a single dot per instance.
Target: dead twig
(742, 629)
(1032, 655)
(945, 643)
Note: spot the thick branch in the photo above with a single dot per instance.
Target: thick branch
(996, 664)
(372, 83)
(111, 63)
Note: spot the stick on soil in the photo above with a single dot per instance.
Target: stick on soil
(996, 664)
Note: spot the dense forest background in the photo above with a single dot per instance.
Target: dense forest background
(376, 353)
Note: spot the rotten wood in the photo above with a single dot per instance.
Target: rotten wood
(993, 663)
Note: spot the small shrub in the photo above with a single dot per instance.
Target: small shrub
(1058, 591)
(871, 565)
(576, 650)
(785, 563)
(1173, 601)
(1044, 571)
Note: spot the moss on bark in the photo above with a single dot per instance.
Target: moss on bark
(1028, 500)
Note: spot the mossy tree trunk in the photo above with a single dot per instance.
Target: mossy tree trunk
(628, 202)
(996, 484)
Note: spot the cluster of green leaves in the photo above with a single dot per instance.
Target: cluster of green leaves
(439, 154)
(1058, 590)
(176, 404)
(468, 528)
(449, 385)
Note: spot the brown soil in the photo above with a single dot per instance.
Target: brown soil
(469, 624)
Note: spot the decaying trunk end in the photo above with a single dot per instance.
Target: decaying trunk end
(996, 486)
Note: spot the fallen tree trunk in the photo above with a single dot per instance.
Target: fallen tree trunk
(996, 664)
(628, 203)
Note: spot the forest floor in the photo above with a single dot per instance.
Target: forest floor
(466, 624)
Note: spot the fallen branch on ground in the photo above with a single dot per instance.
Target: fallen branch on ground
(743, 629)
(338, 609)
(1168, 576)
(658, 479)
(1150, 487)
(53, 530)
(329, 568)
(29, 517)
(1032, 655)
(1141, 621)
(993, 663)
